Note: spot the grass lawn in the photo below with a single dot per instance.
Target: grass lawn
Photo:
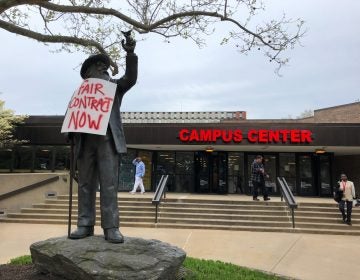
(215, 270)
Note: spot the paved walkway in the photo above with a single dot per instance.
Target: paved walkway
(302, 256)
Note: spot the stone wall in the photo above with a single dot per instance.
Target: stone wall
(12, 182)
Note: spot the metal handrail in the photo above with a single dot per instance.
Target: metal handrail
(29, 187)
(160, 191)
(289, 197)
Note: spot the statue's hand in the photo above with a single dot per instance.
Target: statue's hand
(129, 46)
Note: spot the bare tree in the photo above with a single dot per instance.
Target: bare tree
(306, 114)
(95, 25)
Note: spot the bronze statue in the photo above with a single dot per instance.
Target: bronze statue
(97, 156)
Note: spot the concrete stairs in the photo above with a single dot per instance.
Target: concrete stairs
(137, 211)
(325, 218)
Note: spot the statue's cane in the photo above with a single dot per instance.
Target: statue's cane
(72, 171)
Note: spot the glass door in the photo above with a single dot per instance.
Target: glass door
(127, 171)
(219, 173)
(270, 165)
(202, 171)
(236, 172)
(306, 181)
(287, 169)
(211, 172)
(324, 176)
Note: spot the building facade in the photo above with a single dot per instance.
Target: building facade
(211, 152)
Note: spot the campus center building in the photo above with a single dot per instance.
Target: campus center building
(211, 152)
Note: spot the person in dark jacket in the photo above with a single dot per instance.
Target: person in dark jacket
(258, 175)
(98, 156)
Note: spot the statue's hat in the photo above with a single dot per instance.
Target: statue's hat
(93, 59)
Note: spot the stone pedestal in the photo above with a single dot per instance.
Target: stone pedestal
(94, 258)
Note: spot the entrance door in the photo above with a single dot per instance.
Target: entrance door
(211, 172)
(314, 175)
(324, 177)
(270, 164)
(306, 176)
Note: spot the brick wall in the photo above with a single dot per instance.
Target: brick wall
(349, 113)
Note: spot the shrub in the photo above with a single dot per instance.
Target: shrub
(21, 260)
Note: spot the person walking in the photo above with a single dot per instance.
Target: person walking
(348, 189)
(139, 175)
(258, 175)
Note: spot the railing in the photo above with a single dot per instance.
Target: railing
(288, 196)
(29, 187)
(160, 191)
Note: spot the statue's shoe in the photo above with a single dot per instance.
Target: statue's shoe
(113, 235)
(82, 232)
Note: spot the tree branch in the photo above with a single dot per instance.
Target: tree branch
(85, 25)
(146, 27)
(56, 39)
(7, 4)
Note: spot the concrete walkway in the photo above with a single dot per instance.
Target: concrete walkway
(302, 256)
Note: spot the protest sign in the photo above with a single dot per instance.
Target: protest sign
(90, 107)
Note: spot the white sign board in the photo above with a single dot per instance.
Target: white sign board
(90, 107)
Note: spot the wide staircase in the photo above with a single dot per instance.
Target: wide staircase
(192, 213)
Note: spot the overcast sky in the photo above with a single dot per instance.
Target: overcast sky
(181, 77)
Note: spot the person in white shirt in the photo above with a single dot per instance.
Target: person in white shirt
(348, 189)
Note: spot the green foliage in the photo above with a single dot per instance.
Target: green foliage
(215, 270)
(21, 260)
(8, 121)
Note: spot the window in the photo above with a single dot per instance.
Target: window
(235, 172)
(184, 163)
(62, 158)
(325, 175)
(23, 159)
(43, 159)
(180, 168)
(305, 175)
(127, 171)
(165, 163)
(288, 169)
(5, 160)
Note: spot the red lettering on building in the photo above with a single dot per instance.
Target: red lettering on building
(261, 136)
(194, 136)
(216, 134)
(306, 136)
(295, 136)
(252, 136)
(227, 136)
(184, 135)
(238, 137)
(274, 136)
(205, 135)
